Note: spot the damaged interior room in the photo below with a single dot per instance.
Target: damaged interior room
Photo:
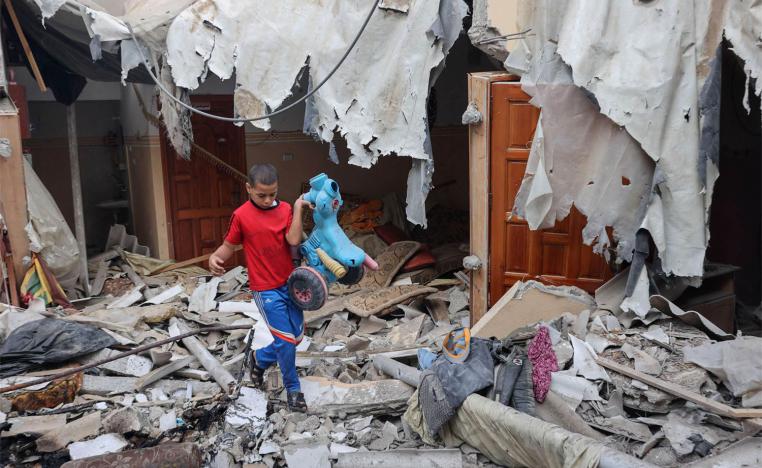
(409, 233)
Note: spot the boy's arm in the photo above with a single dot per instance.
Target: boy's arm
(294, 234)
(220, 256)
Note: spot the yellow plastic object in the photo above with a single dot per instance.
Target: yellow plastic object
(332, 265)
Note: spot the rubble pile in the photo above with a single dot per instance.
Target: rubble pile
(382, 370)
(182, 396)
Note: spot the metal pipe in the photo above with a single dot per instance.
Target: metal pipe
(137, 350)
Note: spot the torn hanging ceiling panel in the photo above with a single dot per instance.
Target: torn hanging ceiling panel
(658, 105)
(376, 100)
(651, 67)
(580, 156)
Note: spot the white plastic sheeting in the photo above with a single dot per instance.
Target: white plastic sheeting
(49, 234)
(642, 151)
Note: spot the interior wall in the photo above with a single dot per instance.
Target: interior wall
(142, 148)
(99, 153)
(149, 215)
(503, 15)
(736, 217)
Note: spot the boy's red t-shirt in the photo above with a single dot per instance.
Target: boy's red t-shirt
(263, 235)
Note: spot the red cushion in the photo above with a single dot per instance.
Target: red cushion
(423, 259)
(390, 233)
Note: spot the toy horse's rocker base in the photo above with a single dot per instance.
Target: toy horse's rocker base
(328, 253)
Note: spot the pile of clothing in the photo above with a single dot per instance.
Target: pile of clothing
(515, 374)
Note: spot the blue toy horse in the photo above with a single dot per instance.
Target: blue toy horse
(328, 253)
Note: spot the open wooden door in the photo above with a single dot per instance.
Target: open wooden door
(201, 198)
(513, 252)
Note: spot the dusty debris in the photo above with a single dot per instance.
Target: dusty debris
(107, 443)
(59, 438)
(529, 302)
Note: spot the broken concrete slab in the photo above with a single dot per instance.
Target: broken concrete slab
(107, 443)
(388, 397)
(249, 410)
(529, 302)
(33, 425)
(202, 299)
(314, 455)
(406, 334)
(103, 386)
(338, 328)
(337, 449)
(82, 428)
(124, 421)
(371, 325)
(134, 365)
(168, 421)
(441, 458)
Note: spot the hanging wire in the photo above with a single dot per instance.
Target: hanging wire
(262, 117)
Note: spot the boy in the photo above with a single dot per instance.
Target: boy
(267, 227)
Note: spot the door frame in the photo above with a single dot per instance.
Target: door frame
(196, 100)
(479, 144)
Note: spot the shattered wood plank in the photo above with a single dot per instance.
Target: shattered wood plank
(669, 387)
(100, 279)
(161, 372)
(220, 374)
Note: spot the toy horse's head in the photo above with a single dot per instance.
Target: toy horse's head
(324, 194)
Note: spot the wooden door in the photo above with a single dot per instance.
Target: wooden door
(554, 256)
(201, 198)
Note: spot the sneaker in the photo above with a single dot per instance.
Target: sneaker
(256, 374)
(296, 402)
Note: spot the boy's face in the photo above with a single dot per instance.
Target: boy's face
(262, 195)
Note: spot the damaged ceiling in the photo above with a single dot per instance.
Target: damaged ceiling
(376, 101)
(629, 129)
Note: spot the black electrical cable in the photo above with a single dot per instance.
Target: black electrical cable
(262, 117)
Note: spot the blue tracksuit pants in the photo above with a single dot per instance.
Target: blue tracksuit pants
(286, 323)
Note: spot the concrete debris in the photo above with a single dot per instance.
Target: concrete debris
(328, 397)
(442, 458)
(354, 374)
(124, 421)
(526, 303)
(249, 410)
(135, 366)
(107, 443)
(57, 439)
(308, 456)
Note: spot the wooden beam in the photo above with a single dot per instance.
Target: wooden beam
(25, 45)
(76, 193)
(479, 85)
(13, 186)
(681, 392)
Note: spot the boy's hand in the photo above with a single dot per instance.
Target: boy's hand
(301, 203)
(217, 265)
